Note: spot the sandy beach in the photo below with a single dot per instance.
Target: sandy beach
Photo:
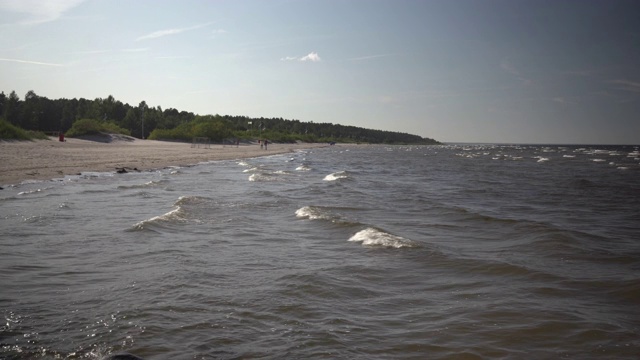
(49, 159)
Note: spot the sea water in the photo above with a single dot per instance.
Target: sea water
(363, 252)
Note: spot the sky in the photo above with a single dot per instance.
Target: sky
(487, 71)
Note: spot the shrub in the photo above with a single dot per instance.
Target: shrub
(90, 127)
(9, 131)
(37, 135)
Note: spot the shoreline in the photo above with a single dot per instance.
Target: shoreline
(52, 159)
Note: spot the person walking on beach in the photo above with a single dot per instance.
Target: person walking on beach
(260, 142)
(265, 144)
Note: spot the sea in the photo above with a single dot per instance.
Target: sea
(456, 251)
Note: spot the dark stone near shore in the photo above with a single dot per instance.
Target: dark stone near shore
(124, 170)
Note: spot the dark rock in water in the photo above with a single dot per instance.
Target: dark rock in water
(1, 188)
(122, 356)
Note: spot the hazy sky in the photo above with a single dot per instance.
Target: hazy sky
(514, 71)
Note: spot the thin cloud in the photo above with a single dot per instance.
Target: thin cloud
(173, 57)
(167, 32)
(626, 85)
(564, 100)
(30, 62)
(135, 50)
(91, 52)
(369, 57)
(38, 11)
(386, 99)
(312, 56)
(506, 65)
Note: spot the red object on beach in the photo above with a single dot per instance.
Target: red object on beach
(61, 137)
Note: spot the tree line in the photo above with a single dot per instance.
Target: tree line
(38, 113)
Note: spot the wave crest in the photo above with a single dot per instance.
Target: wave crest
(315, 213)
(336, 176)
(174, 216)
(375, 237)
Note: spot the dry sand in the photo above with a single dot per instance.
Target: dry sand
(49, 159)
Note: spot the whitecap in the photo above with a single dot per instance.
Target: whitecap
(32, 191)
(374, 237)
(336, 176)
(191, 200)
(260, 176)
(303, 168)
(173, 216)
(315, 213)
(569, 156)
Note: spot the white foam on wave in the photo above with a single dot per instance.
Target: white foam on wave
(308, 212)
(262, 176)
(151, 183)
(314, 213)
(177, 215)
(32, 191)
(243, 163)
(303, 168)
(598, 160)
(374, 237)
(336, 176)
(569, 156)
(190, 200)
(174, 215)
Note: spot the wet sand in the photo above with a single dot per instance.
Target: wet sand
(49, 159)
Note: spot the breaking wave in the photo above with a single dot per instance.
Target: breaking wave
(179, 215)
(375, 237)
(336, 176)
(317, 213)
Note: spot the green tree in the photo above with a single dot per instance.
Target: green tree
(3, 100)
(131, 122)
(12, 109)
